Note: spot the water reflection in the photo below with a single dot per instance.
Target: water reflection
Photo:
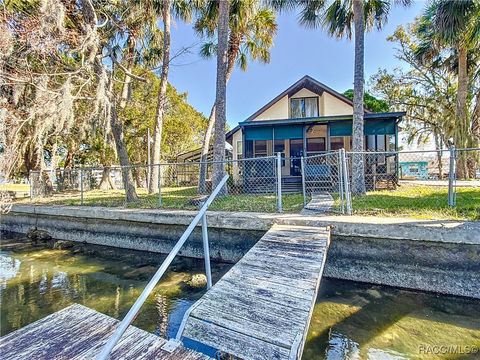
(350, 320)
(360, 321)
(37, 281)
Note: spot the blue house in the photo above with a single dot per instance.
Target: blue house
(310, 118)
(414, 170)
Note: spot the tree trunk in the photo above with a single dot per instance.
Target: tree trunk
(118, 135)
(128, 79)
(221, 94)
(476, 119)
(438, 147)
(202, 180)
(358, 166)
(54, 157)
(106, 182)
(127, 178)
(462, 127)
(162, 100)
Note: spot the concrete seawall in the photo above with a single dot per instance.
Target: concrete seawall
(439, 256)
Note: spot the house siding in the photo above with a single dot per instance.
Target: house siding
(279, 110)
(328, 104)
(332, 106)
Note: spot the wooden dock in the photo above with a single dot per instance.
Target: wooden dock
(261, 308)
(78, 332)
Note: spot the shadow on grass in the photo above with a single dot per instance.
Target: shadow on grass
(176, 198)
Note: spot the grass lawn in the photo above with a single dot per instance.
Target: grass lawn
(176, 198)
(17, 190)
(421, 202)
(15, 187)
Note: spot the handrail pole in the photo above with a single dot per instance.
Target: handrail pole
(127, 320)
(206, 251)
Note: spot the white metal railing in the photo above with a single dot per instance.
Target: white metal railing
(127, 320)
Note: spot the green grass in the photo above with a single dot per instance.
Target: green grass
(177, 198)
(15, 187)
(420, 202)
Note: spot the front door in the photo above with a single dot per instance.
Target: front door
(296, 152)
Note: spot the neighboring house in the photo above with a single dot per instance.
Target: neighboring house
(310, 118)
(414, 170)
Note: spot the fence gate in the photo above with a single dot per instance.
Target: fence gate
(325, 182)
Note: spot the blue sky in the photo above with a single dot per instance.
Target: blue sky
(297, 52)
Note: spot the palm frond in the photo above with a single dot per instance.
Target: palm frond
(208, 49)
(338, 18)
(284, 5)
(311, 13)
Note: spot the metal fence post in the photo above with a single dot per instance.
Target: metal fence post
(346, 182)
(279, 182)
(81, 186)
(149, 165)
(206, 251)
(159, 185)
(452, 177)
(302, 164)
(340, 182)
(31, 184)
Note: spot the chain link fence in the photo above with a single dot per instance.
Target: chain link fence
(430, 184)
(426, 183)
(324, 183)
(252, 186)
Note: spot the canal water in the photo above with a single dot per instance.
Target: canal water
(350, 320)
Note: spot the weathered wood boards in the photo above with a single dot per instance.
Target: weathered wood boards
(261, 308)
(78, 332)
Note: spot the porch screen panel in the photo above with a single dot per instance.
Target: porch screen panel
(380, 127)
(288, 132)
(248, 148)
(259, 133)
(340, 128)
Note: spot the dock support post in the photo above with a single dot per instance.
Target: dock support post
(279, 182)
(206, 251)
(302, 165)
(451, 177)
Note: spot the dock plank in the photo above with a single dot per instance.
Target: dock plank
(78, 332)
(261, 308)
(250, 347)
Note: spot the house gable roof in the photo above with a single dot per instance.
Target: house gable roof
(306, 82)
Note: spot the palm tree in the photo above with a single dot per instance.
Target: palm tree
(137, 27)
(161, 99)
(252, 30)
(454, 25)
(221, 94)
(182, 9)
(337, 17)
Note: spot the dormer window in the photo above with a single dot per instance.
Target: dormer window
(303, 107)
